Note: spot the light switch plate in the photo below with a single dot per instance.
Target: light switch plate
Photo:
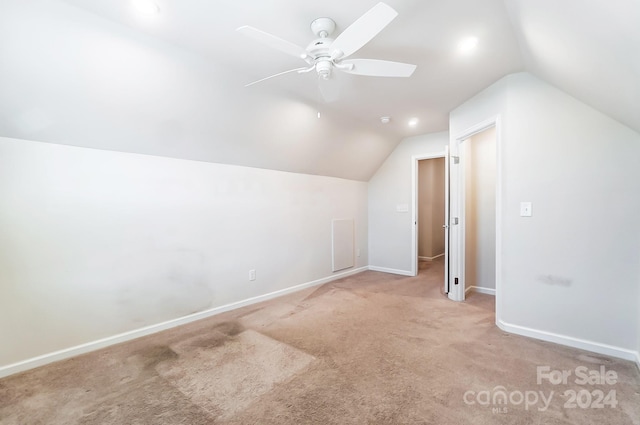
(526, 209)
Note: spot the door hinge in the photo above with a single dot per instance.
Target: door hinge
(456, 159)
(455, 281)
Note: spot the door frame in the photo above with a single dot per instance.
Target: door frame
(414, 206)
(457, 292)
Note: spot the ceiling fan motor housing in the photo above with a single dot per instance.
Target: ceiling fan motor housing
(320, 47)
(319, 51)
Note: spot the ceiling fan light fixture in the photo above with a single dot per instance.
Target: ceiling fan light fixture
(323, 68)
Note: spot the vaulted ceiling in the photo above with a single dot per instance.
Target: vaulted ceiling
(94, 73)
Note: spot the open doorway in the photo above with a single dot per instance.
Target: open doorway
(478, 212)
(429, 209)
(457, 199)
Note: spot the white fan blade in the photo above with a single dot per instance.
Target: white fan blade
(362, 30)
(377, 68)
(273, 41)
(300, 70)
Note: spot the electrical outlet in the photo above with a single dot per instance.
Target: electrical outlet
(252, 274)
(525, 209)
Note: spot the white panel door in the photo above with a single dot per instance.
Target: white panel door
(456, 291)
(446, 226)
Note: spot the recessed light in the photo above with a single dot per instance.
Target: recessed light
(146, 7)
(468, 44)
(413, 122)
(385, 120)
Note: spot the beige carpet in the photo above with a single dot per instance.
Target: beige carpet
(370, 349)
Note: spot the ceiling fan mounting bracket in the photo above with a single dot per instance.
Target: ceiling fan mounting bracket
(323, 27)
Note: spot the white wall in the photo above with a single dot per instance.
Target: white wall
(479, 160)
(569, 273)
(72, 77)
(431, 207)
(96, 243)
(389, 230)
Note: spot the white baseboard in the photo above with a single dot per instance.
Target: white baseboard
(480, 290)
(595, 347)
(137, 333)
(392, 271)
(638, 359)
(430, 258)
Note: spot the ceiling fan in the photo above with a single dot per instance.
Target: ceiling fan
(324, 54)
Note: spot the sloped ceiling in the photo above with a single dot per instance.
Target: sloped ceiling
(589, 49)
(93, 73)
